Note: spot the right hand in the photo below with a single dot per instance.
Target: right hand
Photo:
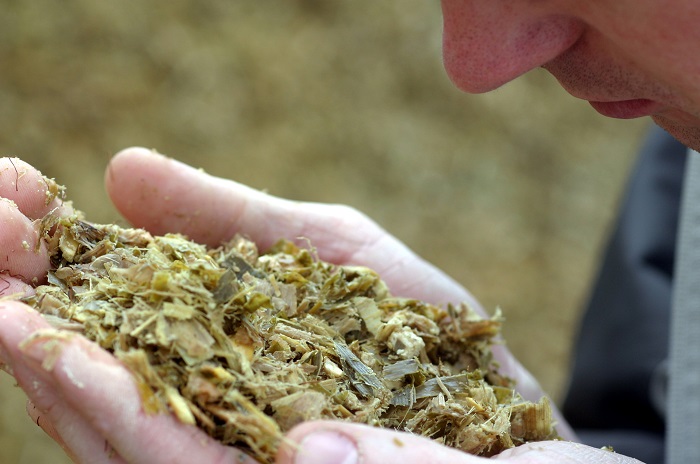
(23, 202)
(163, 195)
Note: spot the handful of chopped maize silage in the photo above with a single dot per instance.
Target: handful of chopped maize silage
(246, 345)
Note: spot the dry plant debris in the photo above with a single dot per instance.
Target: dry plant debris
(246, 345)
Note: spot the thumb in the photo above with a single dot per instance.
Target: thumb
(326, 442)
(344, 443)
(163, 195)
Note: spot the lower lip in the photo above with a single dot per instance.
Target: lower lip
(627, 109)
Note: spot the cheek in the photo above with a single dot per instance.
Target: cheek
(660, 38)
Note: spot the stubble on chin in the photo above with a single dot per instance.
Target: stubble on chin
(688, 135)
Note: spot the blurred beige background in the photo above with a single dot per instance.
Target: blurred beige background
(511, 193)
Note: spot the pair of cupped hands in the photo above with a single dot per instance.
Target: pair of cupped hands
(87, 401)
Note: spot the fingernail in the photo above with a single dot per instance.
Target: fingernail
(327, 448)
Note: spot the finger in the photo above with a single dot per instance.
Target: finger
(22, 254)
(64, 424)
(28, 188)
(46, 406)
(41, 419)
(164, 195)
(103, 393)
(556, 452)
(185, 200)
(77, 428)
(49, 410)
(337, 442)
(10, 285)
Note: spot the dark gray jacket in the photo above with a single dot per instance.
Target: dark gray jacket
(614, 396)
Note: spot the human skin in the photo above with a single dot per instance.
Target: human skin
(86, 400)
(630, 58)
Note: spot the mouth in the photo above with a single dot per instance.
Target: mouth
(626, 109)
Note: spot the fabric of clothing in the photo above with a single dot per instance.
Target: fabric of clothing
(683, 402)
(616, 394)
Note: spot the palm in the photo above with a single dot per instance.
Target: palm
(87, 400)
(167, 196)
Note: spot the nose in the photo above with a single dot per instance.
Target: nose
(487, 43)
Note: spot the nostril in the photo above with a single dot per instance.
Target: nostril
(473, 62)
(550, 38)
(480, 58)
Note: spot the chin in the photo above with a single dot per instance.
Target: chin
(687, 134)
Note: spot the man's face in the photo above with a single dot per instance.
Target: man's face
(629, 58)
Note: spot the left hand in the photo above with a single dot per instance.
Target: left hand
(326, 442)
(88, 402)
